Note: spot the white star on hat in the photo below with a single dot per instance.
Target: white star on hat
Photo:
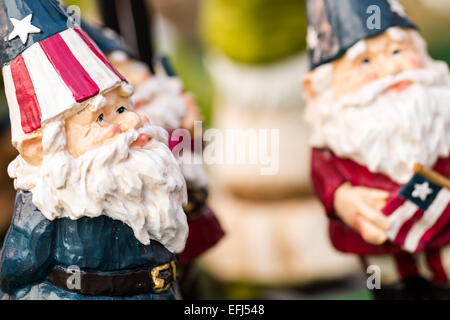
(422, 191)
(22, 28)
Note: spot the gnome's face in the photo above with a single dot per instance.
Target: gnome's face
(98, 124)
(385, 104)
(162, 100)
(135, 72)
(388, 54)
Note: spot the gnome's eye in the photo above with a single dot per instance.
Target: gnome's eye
(121, 110)
(100, 118)
(366, 61)
(396, 52)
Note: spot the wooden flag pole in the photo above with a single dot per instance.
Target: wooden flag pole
(432, 176)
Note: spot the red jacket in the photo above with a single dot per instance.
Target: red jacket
(329, 172)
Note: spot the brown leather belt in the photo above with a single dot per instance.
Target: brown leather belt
(157, 280)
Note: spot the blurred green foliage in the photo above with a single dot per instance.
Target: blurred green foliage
(440, 50)
(254, 31)
(352, 295)
(188, 62)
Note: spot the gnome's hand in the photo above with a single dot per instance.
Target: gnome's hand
(360, 208)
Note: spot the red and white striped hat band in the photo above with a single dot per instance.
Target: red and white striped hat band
(52, 77)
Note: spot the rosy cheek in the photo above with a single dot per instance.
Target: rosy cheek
(367, 76)
(107, 131)
(114, 129)
(416, 63)
(413, 61)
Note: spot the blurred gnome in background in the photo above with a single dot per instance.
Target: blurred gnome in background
(8, 154)
(99, 205)
(160, 97)
(379, 107)
(256, 51)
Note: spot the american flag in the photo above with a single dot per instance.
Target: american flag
(417, 213)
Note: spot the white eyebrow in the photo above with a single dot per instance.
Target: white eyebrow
(357, 50)
(97, 103)
(127, 88)
(397, 34)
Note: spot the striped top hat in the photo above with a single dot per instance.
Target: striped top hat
(334, 26)
(49, 67)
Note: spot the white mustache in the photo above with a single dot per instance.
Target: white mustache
(154, 132)
(437, 75)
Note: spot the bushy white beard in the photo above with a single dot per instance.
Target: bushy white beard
(143, 188)
(388, 131)
(166, 107)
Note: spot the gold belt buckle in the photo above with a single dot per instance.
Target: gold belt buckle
(159, 284)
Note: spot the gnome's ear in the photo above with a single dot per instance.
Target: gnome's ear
(31, 150)
(308, 84)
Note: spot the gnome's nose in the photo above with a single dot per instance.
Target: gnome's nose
(130, 120)
(391, 68)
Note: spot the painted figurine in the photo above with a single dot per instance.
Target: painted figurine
(161, 98)
(379, 105)
(99, 205)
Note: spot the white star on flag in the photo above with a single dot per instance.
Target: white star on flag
(422, 191)
(22, 28)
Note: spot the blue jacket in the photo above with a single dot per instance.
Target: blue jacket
(34, 245)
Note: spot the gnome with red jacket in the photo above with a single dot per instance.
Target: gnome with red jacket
(379, 109)
(99, 205)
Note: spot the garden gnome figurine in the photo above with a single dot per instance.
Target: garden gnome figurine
(379, 108)
(99, 205)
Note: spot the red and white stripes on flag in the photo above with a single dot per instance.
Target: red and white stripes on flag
(411, 227)
(52, 76)
(432, 264)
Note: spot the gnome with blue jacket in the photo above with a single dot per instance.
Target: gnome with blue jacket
(379, 108)
(99, 205)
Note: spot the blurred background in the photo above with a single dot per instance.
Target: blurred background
(243, 60)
